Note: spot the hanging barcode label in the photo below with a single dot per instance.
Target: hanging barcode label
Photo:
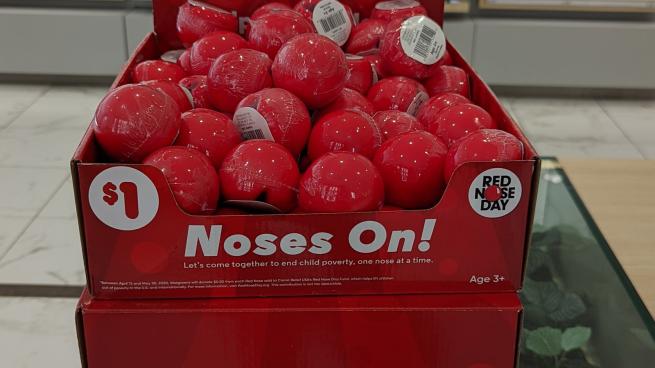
(251, 124)
(252, 134)
(422, 39)
(332, 21)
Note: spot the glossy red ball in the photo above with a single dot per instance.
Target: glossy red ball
(157, 70)
(261, 170)
(270, 31)
(401, 57)
(411, 166)
(207, 49)
(448, 79)
(454, 122)
(268, 8)
(388, 10)
(483, 145)
(344, 130)
(433, 106)
(134, 120)
(179, 94)
(196, 19)
(285, 117)
(393, 122)
(235, 75)
(311, 67)
(191, 176)
(397, 93)
(350, 100)
(209, 132)
(361, 74)
(365, 37)
(341, 182)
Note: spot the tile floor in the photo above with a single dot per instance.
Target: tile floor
(40, 126)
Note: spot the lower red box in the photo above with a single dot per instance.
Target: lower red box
(448, 330)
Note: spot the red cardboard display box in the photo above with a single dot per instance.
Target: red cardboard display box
(155, 250)
(462, 330)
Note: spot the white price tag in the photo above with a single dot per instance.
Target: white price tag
(252, 124)
(331, 20)
(422, 39)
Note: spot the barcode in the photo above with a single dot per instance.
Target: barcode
(253, 134)
(424, 41)
(333, 21)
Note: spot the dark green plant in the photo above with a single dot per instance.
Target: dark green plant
(554, 332)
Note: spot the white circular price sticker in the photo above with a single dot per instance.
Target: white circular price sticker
(252, 124)
(123, 198)
(331, 20)
(422, 39)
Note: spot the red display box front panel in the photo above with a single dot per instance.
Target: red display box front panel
(143, 246)
(462, 330)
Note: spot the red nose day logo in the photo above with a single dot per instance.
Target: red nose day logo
(495, 193)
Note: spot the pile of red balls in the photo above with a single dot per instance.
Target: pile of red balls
(310, 111)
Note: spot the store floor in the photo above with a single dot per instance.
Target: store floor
(41, 125)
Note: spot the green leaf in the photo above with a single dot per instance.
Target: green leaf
(537, 258)
(545, 341)
(535, 316)
(575, 337)
(545, 294)
(570, 307)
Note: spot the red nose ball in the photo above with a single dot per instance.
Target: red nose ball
(270, 31)
(397, 93)
(429, 110)
(191, 176)
(341, 182)
(447, 79)
(348, 99)
(365, 37)
(412, 47)
(268, 8)
(235, 75)
(393, 123)
(344, 130)
(196, 19)
(274, 114)
(331, 18)
(361, 74)
(157, 70)
(454, 122)
(209, 48)
(179, 94)
(412, 167)
(184, 61)
(483, 145)
(209, 132)
(134, 120)
(260, 170)
(311, 67)
(388, 10)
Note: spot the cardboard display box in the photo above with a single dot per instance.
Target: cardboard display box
(460, 330)
(463, 244)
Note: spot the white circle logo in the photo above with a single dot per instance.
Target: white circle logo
(123, 198)
(495, 193)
